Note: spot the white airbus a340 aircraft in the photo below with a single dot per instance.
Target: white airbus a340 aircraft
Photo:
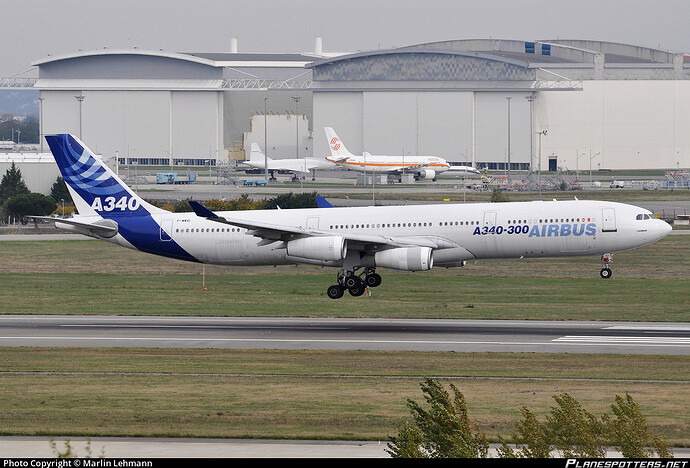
(424, 167)
(356, 240)
(258, 160)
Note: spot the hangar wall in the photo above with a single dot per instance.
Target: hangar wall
(140, 124)
(630, 124)
(457, 126)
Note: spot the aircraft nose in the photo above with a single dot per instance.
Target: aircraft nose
(664, 229)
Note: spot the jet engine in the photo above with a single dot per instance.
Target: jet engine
(331, 248)
(405, 258)
(427, 174)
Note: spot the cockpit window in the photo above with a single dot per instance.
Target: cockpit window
(639, 217)
(643, 216)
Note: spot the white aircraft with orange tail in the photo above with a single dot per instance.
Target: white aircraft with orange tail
(423, 167)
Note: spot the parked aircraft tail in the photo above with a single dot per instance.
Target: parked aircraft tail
(256, 155)
(336, 145)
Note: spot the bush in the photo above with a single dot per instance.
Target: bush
(30, 204)
(498, 196)
(444, 431)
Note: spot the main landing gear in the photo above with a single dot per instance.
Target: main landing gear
(354, 283)
(606, 271)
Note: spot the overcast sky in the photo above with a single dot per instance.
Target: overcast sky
(33, 29)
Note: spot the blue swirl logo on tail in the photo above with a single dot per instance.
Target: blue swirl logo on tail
(100, 191)
(94, 183)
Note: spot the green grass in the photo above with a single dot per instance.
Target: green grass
(429, 296)
(90, 277)
(325, 394)
(312, 394)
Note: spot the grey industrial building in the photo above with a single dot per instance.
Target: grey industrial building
(571, 104)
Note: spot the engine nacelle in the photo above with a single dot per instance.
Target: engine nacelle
(427, 174)
(332, 248)
(405, 258)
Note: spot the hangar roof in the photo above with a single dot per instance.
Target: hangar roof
(560, 61)
(103, 52)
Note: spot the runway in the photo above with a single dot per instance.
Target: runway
(347, 334)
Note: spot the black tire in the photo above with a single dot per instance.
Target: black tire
(356, 291)
(605, 273)
(373, 280)
(353, 282)
(335, 291)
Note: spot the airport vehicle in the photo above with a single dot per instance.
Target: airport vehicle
(258, 160)
(172, 178)
(356, 240)
(423, 167)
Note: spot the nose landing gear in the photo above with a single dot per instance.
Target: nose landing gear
(606, 271)
(354, 283)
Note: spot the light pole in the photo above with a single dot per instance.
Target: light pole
(531, 98)
(590, 167)
(40, 122)
(541, 133)
(80, 99)
(509, 179)
(296, 99)
(265, 146)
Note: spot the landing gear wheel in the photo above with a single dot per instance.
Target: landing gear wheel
(335, 291)
(357, 290)
(605, 273)
(352, 282)
(373, 280)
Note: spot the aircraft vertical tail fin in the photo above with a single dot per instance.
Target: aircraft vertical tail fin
(256, 154)
(95, 189)
(336, 145)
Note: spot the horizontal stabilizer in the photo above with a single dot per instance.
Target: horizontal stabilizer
(103, 227)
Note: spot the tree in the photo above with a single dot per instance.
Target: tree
(531, 438)
(12, 184)
(442, 431)
(290, 200)
(30, 204)
(628, 430)
(59, 191)
(497, 195)
(573, 430)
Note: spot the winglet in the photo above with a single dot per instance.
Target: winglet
(201, 211)
(322, 202)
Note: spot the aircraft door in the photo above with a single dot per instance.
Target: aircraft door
(489, 219)
(313, 223)
(166, 230)
(608, 217)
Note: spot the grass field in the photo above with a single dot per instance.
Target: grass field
(313, 394)
(90, 277)
(455, 193)
(324, 394)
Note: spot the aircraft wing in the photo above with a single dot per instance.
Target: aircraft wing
(101, 227)
(270, 232)
(415, 167)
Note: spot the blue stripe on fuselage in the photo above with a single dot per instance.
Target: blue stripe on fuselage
(143, 232)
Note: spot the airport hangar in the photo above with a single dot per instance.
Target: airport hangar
(603, 105)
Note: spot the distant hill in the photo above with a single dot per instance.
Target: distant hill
(19, 102)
